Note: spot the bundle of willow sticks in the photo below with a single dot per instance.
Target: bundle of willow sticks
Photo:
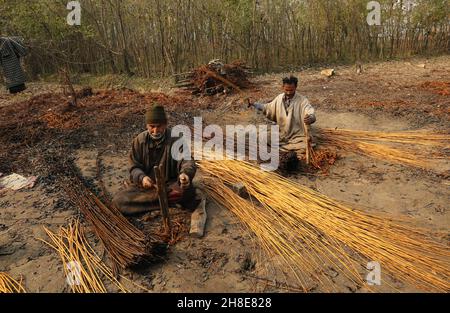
(307, 231)
(125, 244)
(414, 148)
(9, 284)
(83, 268)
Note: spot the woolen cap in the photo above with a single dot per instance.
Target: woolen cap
(156, 115)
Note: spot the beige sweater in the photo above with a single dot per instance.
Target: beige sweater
(290, 121)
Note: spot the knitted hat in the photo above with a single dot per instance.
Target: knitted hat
(156, 115)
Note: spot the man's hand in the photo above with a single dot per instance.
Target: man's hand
(309, 119)
(147, 183)
(184, 181)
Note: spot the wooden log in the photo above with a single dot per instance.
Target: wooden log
(185, 79)
(181, 85)
(218, 77)
(328, 72)
(162, 195)
(198, 219)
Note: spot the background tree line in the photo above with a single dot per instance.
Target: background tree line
(160, 37)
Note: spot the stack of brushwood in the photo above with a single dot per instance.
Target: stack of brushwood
(216, 77)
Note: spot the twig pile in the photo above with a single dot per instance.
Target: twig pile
(216, 77)
(414, 148)
(307, 230)
(9, 284)
(323, 158)
(83, 268)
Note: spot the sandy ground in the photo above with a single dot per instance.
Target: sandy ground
(387, 96)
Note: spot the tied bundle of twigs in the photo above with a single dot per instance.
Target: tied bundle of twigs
(307, 230)
(83, 268)
(9, 284)
(414, 148)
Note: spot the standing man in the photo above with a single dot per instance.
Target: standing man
(291, 111)
(11, 50)
(152, 148)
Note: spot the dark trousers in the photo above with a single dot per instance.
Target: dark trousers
(135, 199)
(18, 88)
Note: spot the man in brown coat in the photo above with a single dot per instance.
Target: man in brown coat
(152, 148)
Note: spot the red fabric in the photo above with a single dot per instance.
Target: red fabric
(175, 193)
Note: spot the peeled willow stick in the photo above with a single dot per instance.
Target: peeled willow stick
(309, 149)
(9, 284)
(83, 268)
(306, 229)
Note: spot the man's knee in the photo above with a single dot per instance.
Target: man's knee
(132, 201)
(122, 201)
(120, 197)
(119, 201)
(125, 207)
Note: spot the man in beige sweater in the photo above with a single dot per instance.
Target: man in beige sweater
(292, 112)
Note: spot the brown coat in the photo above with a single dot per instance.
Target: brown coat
(146, 153)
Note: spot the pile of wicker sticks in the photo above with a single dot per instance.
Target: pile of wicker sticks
(307, 231)
(421, 149)
(83, 268)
